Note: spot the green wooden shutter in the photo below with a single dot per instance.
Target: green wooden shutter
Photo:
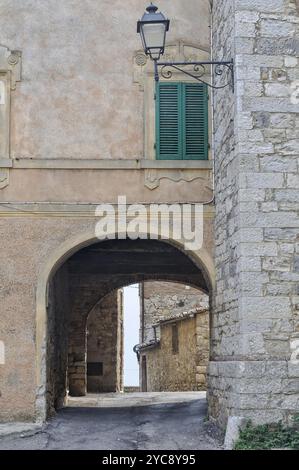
(195, 123)
(181, 121)
(168, 125)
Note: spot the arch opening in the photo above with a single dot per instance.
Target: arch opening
(79, 282)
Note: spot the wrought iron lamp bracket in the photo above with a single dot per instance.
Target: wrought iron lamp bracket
(197, 70)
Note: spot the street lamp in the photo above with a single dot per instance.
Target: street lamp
(152, 28)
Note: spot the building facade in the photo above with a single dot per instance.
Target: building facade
(254, 370)
(174, 337)
(177, 360)
(160, 301)
(78, 129)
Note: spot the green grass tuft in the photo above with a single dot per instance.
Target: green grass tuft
(269, 436)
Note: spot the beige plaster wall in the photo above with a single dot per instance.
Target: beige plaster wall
(77, 98)
(77, 102)
(101, 186)
(31, 246)
(81, 116)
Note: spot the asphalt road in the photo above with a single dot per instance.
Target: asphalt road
(140, 422)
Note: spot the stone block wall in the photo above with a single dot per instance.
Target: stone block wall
(202, 324)
(226, 184)
(185, 368)
(164, 300)
(104, 344)
(255, 322)
(57, 344)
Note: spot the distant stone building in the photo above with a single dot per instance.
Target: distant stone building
(178, 360)
(170, 314)
(105, 345)
(174, 335)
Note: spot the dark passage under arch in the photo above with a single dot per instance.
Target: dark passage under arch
(83, 280)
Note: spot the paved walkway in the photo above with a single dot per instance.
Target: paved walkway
(144, 421)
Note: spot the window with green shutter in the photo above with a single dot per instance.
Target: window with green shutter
(182, 121)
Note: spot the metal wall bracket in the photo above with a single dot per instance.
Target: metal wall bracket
(198, 70)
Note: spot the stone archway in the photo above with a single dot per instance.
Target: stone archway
(189, 268)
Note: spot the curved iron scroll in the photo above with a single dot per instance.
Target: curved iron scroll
(198, 70)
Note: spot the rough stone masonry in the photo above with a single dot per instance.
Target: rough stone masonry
(255, 368)
(164, 304)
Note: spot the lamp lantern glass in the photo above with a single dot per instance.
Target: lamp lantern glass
(152, 28)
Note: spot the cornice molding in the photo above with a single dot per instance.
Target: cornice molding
(70, 210)
(100, 164)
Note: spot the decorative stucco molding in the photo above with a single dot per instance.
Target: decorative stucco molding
(139, 65)
(4, 177)
(10, 74)
(180, 51)
(153, 177)
(10, 62)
